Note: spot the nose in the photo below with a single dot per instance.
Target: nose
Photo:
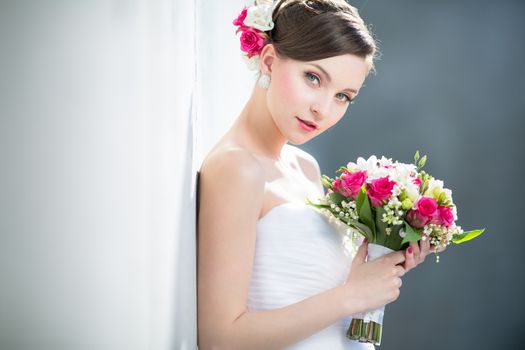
(320, 108)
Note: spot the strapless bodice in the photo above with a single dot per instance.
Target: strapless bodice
(300, 253)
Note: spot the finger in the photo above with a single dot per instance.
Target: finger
(424, 246)
(410, 259)
(400, 271)
(417, 251)
(362, 251)
(396, 257)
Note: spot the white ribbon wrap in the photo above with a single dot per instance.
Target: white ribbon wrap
(374, 251)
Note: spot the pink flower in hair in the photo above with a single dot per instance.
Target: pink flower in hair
(240, 19)
(251, 42)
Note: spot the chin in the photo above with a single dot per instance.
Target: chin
(299, 141)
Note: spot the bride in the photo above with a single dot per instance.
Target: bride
(272, 272)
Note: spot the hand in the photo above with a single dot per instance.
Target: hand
(372, 284)
(416, 253)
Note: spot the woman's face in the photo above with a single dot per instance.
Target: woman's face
(307, 98)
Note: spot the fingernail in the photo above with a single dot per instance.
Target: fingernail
(410, 250)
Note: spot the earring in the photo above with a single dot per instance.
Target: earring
(264, 81)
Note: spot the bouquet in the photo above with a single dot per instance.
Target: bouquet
(391, 204)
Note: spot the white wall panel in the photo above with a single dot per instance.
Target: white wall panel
(97, 192)
(224, 82)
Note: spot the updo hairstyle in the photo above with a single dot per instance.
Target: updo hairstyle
(309, 30)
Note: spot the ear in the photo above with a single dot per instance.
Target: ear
(268, 56)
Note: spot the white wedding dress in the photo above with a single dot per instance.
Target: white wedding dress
(300, 253)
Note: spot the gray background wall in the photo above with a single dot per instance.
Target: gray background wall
(450, 83)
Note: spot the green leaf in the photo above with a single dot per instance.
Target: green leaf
(360, 198)
(394, 240)
(362, 228)
(364, 210)
(416, 157)
(411, 234)
(380, 224)
(317, 205)
(341, 169)
(422, 162)
(336, 198)
(466, 236)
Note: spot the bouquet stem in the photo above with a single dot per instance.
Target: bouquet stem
(367, 327)
(365, 332)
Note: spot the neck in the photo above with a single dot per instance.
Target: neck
(257, 127)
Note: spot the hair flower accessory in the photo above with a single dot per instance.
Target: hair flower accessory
(253, 22)
(251, 42)
(240, 19)
(260, 17)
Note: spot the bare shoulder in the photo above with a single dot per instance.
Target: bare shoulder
(231, 177)
(231, 163)
(307, 162)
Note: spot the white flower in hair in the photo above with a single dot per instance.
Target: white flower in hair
(260, 17)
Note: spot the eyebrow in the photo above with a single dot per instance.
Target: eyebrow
(328, 75)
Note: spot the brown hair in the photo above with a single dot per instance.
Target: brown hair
(309, 30)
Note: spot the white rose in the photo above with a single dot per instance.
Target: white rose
(433, 185)
(370, 166)
(352, 167)
(448, 194)
(412, 192)
(401, 174)
(259, 17)
(385, 161)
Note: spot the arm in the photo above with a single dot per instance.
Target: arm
(232, 189)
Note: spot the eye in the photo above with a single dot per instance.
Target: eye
(345, 97)
(312, 78)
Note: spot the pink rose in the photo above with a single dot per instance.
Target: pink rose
(444, 216)
(239, 21)
(417, 181)
(251, 42)
(427, 206)
(379, 190)
(349, 184)
(416, 219)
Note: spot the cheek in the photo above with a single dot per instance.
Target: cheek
(291, 91)
(333, 121)
(338, 114)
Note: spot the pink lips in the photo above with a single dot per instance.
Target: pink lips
(307, 125)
